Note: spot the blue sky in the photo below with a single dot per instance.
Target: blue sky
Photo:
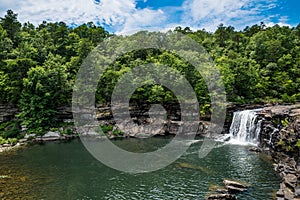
(129, 16)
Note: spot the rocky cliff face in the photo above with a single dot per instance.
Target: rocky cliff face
(280, 137)
(281, 130)
(141, 116)
(7, 112)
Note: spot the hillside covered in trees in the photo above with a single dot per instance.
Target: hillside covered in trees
(38, 66)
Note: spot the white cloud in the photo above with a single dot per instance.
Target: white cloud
(111, 12)
(121, 15)
(209, 14)
(271, 24)
(125, 18)
(143, 19)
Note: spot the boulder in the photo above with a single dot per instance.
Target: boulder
(297, 192)
(48, 139)
(255, 149)
(27, 136)
(280, 194)
(221, 197)
(233, 189)
(51, 134)
(222, 191)
(234, 186)
(24, 128)
(23, 140)
(6, 145)
(288, 195)
(290, 181)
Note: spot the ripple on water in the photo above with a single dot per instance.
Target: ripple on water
(68, 171)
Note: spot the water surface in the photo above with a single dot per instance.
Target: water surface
(67, 171)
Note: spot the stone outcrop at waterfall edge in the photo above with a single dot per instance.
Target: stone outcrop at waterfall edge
(280, 137)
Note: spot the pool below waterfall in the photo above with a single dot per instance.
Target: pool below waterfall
(67, 171)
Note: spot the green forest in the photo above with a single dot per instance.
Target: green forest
(38, 67)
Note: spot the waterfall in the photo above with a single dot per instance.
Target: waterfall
(245, 127)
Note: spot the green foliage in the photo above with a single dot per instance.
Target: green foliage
(45, 89)
(298, 144)
(288, 99)
(16, 70)
(11, 141)
(205, 109)
(9, 129)
(11, 133)
(38, 66)
(109, 129)
(69, 131)
(117, 133)
(288, 147)
(281, 143)
(11, 25)
(106, 128)
(53, 129)
(285, 122)
(276, 121)
(2, 140)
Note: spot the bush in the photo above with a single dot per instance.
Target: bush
(12, 141)
(2, 140)
(289, 99)
(117, 133)
(106, 128)
(12, 133)
(10, 129)
(67, 131)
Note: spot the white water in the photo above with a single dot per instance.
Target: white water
(271, 137)
(245, 128)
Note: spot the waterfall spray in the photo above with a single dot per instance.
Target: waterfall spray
(245, 127)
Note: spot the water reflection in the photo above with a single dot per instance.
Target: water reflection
(68, 171)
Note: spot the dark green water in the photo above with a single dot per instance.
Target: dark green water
(68, 171)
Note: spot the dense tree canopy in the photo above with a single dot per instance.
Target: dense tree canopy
(38, 65)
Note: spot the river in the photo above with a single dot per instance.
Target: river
(67, 171)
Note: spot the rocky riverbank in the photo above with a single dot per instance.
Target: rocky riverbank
(32, 139)
(280, 138)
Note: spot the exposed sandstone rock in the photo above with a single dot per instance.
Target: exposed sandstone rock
(8, 112)
(255, 149)
(51, 134)
(234, 186)
(221, 197)
(280, 134)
